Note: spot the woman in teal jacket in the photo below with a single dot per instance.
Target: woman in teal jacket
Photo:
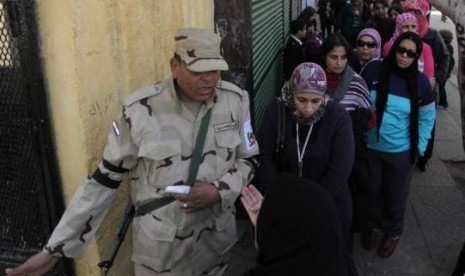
(397, 135)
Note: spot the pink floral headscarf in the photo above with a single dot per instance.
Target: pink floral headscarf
(401, 20)
(420, 9)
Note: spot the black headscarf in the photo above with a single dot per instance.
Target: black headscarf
(410, 76)
(298, 231)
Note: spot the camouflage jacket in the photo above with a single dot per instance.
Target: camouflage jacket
(153, 140)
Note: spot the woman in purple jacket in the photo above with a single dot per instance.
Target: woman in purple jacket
(318, 139)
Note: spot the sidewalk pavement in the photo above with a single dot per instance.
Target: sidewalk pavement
(435, 219)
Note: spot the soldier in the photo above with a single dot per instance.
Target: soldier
(154, 140)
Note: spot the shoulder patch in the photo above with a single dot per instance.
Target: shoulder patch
(144, 92)
(228, 86)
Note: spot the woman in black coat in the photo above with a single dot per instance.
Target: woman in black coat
(297, 229)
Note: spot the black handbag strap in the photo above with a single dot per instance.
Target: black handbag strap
(156, 203)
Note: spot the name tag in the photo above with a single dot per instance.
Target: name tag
(225, 126)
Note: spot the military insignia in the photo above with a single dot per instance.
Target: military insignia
(115, 127)
(250, 139)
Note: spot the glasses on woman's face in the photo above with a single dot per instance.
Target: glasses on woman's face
(362, 44)
(401, 51)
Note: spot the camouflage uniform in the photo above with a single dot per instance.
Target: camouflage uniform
(154, 139)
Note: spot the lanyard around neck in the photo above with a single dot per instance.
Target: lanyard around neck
(300, 155)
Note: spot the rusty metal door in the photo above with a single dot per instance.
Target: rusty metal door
(30, 198)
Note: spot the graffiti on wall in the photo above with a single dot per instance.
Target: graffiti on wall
(101, 106)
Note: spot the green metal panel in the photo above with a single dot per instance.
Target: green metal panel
(270, 29)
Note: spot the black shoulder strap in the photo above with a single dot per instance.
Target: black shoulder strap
(281, 125)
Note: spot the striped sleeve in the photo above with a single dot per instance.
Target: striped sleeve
(357, 96)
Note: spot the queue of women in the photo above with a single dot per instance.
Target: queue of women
(355, 124)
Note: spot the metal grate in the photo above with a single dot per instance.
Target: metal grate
(24, 210)
(21, 231)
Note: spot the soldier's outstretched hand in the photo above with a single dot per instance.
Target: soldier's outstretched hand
(202, 195)
(37, 265)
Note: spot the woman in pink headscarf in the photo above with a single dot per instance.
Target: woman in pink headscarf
(407, 22)
(420, 9)
(425, 7)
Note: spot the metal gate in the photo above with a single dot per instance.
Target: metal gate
(30, 200)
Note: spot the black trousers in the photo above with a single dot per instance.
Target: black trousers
(460, 265)
(388, 186)
(442, 95)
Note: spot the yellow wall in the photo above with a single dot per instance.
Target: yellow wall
(95, 53)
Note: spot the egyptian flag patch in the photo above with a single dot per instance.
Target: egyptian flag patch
(115, 127)
(249, 136)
